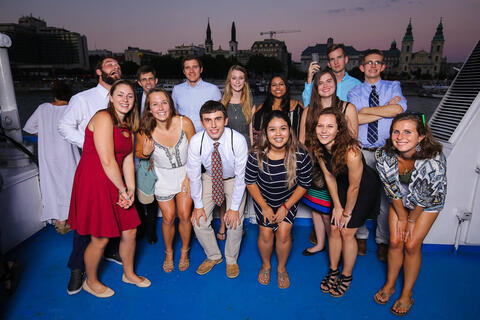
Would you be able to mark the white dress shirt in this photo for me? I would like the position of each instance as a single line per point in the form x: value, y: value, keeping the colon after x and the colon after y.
x: 188, y: 100
x: 233, y: 163
x: 80, y: 110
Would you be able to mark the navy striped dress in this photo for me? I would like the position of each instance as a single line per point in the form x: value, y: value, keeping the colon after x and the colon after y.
x: 272, y: 182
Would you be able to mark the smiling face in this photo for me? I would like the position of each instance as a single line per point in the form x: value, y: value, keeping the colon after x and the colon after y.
x: 337, y: 60
x: 214, y: 124
x: 278, y: 133
x: 372, y: 66
x: 237, y: 80
x: 192, y: 70
x: 147, y: 81
x: 326, y: 85
x: 160, y: 106
x: 405, y: 137
x: 326, y: 130
x: 110, y: 71
x: 122, y: 99
x: 278, y: 88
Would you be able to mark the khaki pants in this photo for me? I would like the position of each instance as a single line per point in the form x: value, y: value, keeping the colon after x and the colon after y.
x: 205, y: 233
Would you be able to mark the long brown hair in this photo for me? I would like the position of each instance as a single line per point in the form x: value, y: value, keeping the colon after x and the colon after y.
x: 148, y: 122
x: 131, y: 118
x: 343, y: 142
x: 429, y: 147
x: 246, y: 98
x: 263, y: 147
x: 316, y: 106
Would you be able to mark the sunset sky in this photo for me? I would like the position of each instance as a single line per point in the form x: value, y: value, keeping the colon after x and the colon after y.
x: 160, y: 25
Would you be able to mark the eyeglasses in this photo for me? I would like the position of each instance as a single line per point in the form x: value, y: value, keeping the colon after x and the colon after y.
x: 143, y: 80
x: 374, y: 63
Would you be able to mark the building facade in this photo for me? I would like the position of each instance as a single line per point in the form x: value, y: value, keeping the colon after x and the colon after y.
x: 140, y: 56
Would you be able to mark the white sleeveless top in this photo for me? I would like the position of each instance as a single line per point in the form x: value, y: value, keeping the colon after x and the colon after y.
x: 170, y: 166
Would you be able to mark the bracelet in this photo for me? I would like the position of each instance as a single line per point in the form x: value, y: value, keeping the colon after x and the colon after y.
x: 285, y: 206
x: 346, y: 215
x: 411, y: 220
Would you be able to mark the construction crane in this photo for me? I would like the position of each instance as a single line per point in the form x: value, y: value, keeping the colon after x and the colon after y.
x: 271, y: 33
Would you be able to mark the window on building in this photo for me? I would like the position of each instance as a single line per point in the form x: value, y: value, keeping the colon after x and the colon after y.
x: 406, y: 59
x: 436, y: 59
x: 438, y: 48
x: 408, y: 48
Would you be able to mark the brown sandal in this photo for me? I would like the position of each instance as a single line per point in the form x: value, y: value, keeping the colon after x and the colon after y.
x: 406, y: 307
x: 184, y: 264
x: 382, y: 297
x: 283, y: 280
x: 264, y: 276
x: 168, y: 264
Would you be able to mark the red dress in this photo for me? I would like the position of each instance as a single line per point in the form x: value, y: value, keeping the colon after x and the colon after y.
x: 93, y: 207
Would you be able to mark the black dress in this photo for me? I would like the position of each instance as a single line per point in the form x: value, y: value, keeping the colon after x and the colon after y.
x: 368, y: 200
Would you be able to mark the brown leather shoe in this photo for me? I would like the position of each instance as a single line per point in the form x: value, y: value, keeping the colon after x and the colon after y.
x: 362, y: 247
x: 233, y: 270
x: 207, y: 265
x: 382, y: 252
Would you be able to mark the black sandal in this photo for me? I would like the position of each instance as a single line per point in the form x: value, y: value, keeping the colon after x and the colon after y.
x: 329, y: 281
x: 342, y: 285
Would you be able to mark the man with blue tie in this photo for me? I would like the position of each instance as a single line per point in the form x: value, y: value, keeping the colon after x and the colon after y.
x: 377, y: 102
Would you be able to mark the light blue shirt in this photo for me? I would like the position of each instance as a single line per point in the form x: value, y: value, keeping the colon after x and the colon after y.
x: 343, y: 88
x: 386, y: 91
x: 188, y: 100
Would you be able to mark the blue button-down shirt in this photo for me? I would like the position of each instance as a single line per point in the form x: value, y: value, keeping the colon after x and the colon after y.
x: 386, y: 91
x: 188, y: 100
x: 343, y: 88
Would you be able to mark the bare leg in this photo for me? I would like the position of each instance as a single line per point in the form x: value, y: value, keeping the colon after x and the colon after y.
x: 221, y: 231
x: 283, y: 244
x: 127, y: 253
x: 349, y: 250
x: 319, y: 227
x: 413, y: 254
x: 168, y: 227
x: 334, y: 247
x: 326, y: 223
x: 93, y: 255
x: 184, y: 207
x: 265, y: 245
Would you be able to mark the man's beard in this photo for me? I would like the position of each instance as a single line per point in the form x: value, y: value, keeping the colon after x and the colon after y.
x: 107, y: 79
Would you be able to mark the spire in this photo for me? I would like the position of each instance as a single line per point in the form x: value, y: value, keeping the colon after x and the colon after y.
x: 408, y: 37
x: 439, y: 34
x: 234, y: 32
x: 208, y: 40
x: 393, y: 46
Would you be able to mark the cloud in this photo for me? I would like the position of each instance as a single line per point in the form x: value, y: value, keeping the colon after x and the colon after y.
x: 359, y: 9
x: 337, y: 11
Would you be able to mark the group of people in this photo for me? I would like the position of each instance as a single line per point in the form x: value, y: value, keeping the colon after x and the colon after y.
x: 351, y: 153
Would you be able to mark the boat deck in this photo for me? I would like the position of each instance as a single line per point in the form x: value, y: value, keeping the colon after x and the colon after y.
x: 447, y: 287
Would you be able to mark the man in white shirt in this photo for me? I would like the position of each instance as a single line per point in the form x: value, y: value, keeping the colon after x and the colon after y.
x: 148, y: 213
x: 190, y: 95
x: 223, y: 154
x: 71, y: 127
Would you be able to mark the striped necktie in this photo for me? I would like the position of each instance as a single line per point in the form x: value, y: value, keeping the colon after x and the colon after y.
x: 217, y: 176
x: 372, y: 133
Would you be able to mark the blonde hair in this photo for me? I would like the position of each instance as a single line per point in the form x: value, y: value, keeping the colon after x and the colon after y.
x: 246, y: 99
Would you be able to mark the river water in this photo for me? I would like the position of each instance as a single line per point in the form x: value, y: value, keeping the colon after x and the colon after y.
x: 28, y: 101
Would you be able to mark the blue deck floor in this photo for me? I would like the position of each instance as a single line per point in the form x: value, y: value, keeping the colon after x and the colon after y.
x: 447, y: 287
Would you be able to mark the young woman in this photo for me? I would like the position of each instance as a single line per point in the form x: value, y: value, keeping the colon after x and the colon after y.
x: 278, y: 98
x: 104, y: 188
x: 317, y: 197
x: 413, y: 171
x: 58, y: 159
x: 237, y: 99
x: 164, y: 137
x: 352, y: 186
x: 278, y: 174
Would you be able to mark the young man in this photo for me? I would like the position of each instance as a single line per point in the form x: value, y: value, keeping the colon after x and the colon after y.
x: 223, y: 153
x: 337, y: 60
x: 71, y: 127
x: 377, y: 102
x: 190, y: 95
x: 148, y: 213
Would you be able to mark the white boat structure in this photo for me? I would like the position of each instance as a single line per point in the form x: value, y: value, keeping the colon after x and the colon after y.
x: 456, y: 123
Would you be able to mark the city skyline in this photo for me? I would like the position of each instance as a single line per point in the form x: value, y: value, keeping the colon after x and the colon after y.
x: 113, y: 25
